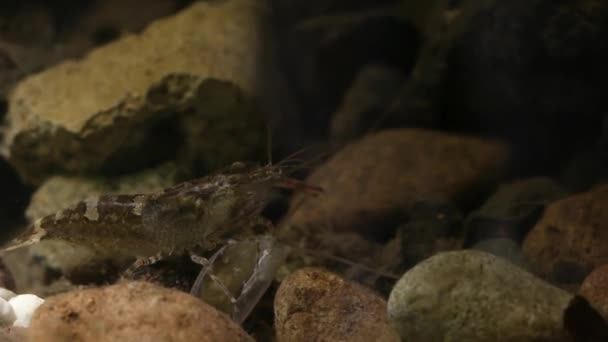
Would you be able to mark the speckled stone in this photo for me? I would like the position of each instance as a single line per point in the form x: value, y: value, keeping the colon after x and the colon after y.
x: 315, y: 305
x: 131, y: 311
x: 595, y: 290
x: 570, y: 239
x: 476, y: 297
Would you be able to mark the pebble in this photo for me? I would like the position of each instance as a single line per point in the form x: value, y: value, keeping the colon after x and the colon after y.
x: 570, y: 239
x: 315, y: 305
x: 474, y: 296
x: 131, y: 311
x: 24, y: 306
x: 369, y: 181
x: 7, y: 314
x: 595, y: 289
x: 6, y: 294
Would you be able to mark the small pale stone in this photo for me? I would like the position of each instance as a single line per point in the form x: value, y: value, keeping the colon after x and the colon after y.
x: 24, y: 306
x: 6, y: 294
x: 7, y: 314
x: 474, y: 296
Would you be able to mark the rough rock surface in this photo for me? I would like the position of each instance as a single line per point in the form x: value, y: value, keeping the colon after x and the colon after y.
x: 381, y: 176
x: 570, y: 239
x: 98, y: 112
x: 595, y: 290
x: 475, y: 296
x: 316, y: 305
x: 131, y: 311
x: 433, y: 226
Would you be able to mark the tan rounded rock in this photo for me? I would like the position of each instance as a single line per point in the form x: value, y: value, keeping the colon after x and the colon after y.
x: 316, y: 305
x: 570, y: 239
x: 382, y: 175
x: 131, y: 311
x: 595, y: 290
x: 104, y: 110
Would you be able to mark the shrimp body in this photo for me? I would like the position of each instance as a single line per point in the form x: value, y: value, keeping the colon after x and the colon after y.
x: 199, y: 212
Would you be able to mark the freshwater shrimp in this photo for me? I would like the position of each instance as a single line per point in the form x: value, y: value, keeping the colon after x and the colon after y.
x: 196, y: 213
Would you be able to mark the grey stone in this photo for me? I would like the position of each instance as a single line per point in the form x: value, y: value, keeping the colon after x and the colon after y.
x: 474, y: 296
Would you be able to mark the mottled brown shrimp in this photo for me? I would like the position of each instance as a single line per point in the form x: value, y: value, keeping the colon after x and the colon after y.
x: 199, y: 212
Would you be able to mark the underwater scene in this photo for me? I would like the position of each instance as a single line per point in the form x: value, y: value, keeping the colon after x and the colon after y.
x: 304, y: 170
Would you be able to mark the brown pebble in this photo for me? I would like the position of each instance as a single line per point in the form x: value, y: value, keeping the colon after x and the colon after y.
x: 131, y: 311
x: 570, y: 239
x: 595, y: 289
x: 381, y: 176
x: 315, y: 305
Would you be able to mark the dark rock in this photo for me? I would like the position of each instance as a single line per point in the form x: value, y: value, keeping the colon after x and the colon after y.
x: 533, y: 73
x: 434, y: 226
x: 365, y: 103
x: 512, y: 211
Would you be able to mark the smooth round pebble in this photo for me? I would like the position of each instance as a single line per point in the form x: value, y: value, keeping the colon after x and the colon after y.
x: 475, y: 296
x: 7, y: 314
x: 400, y: 167
x: 24, y: 306
x: 131, y: 311
x: 315, y: 305
x: 6, y: 294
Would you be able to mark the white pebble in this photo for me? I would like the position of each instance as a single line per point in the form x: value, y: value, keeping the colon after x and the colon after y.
x: 24, y: 306
x: 6, y: 294
x: 7, y: 314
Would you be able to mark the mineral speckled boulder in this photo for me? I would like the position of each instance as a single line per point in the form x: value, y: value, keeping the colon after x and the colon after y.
x: 131, y: 311
x: 381, y: 176
x: 316, y: 305
x: 570, y: 239
x: 101, y: 111
x: 476, y: 297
